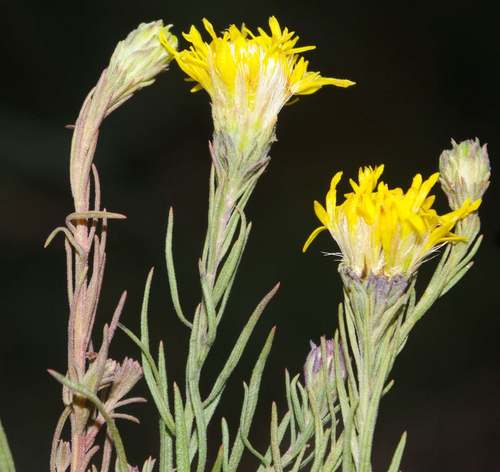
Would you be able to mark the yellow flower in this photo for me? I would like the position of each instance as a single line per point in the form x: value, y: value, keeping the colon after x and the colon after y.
x: 382, y: 231
x: 248, y: 76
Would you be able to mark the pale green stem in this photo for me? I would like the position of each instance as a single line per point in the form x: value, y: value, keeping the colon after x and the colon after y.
x: 205, y: 323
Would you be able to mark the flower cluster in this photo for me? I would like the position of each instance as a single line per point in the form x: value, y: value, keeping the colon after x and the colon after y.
x: 383, y: 231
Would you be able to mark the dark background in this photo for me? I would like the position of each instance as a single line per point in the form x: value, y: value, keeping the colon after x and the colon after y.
x: 425, y: 71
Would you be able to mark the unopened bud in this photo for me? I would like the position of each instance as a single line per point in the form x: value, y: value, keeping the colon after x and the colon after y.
x: 464, y: 172
x: 314, y: 372
x: 139, y: 58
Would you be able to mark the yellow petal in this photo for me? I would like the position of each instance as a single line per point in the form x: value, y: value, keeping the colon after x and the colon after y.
x: 275, y: 26
x: 209, y: 27
x: 166, y: 44
x: 321, y: 213
x: 336, y: 179
x: 311, y: 238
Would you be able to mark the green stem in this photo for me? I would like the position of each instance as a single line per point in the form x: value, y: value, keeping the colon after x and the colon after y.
x: 377, y: 355
x: 221, y: 216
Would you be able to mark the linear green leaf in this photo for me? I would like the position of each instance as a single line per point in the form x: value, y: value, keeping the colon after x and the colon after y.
x: 398, y: 454
x: 239, y: 346
x: 231, y: 263
x: 244, y: 436
x: 293, y: 428
x: 209, y: 305
x: 166, y: 444
x: 457, y: 277
x: 225, y: 444
x: 230, y: 283
x: 166, y: 458
x: 275, y: 449
x: 6, y: 460
x: 298, y: 461
x: 182, y: 441
x: 231, y: 227
x: 144, y: 309
x: 152, y: 377
x: 201, y: 424
x: 172, y: 279
x: 217, y: 467
x: 297, y: 408
x: 251, y: 404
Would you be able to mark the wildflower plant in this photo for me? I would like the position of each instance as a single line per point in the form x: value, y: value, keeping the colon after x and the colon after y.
x: 383, y: 234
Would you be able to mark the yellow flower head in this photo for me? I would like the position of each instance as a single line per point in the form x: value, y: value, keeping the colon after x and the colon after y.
x: 248, y: 76
x: 382, y: 231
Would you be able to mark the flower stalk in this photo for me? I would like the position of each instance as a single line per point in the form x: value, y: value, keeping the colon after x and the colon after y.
x: 95, y: 385
x: 244, y: 117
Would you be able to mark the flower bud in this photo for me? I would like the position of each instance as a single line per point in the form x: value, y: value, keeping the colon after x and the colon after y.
x: 314, y: 374
x: 139, y: 58
x: 465, y: 171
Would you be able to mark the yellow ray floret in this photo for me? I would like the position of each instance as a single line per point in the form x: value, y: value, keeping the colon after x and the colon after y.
x: 245, y: 69
x: 386, y: 231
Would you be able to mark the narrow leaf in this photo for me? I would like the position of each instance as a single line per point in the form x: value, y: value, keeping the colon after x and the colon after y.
x: 144, y: 309
x: 239, y: 346
x: 85, y: 215
x: 225, y: 444
x: 172, y: 279
x: 182, y: 441
x: 457, y: 277
x: 231, y: 263
x: 298, y: 461
x: 398, y: 454
x: 6, y: 461
x: 275, y: 450
x: 217, y: 467
x: 251, y: 404
x: 293, y: 429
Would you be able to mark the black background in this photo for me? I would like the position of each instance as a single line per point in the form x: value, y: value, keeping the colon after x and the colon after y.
x: 425, y: 71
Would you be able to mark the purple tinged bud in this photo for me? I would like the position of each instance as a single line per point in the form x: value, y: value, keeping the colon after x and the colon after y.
x: 313, y: 371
